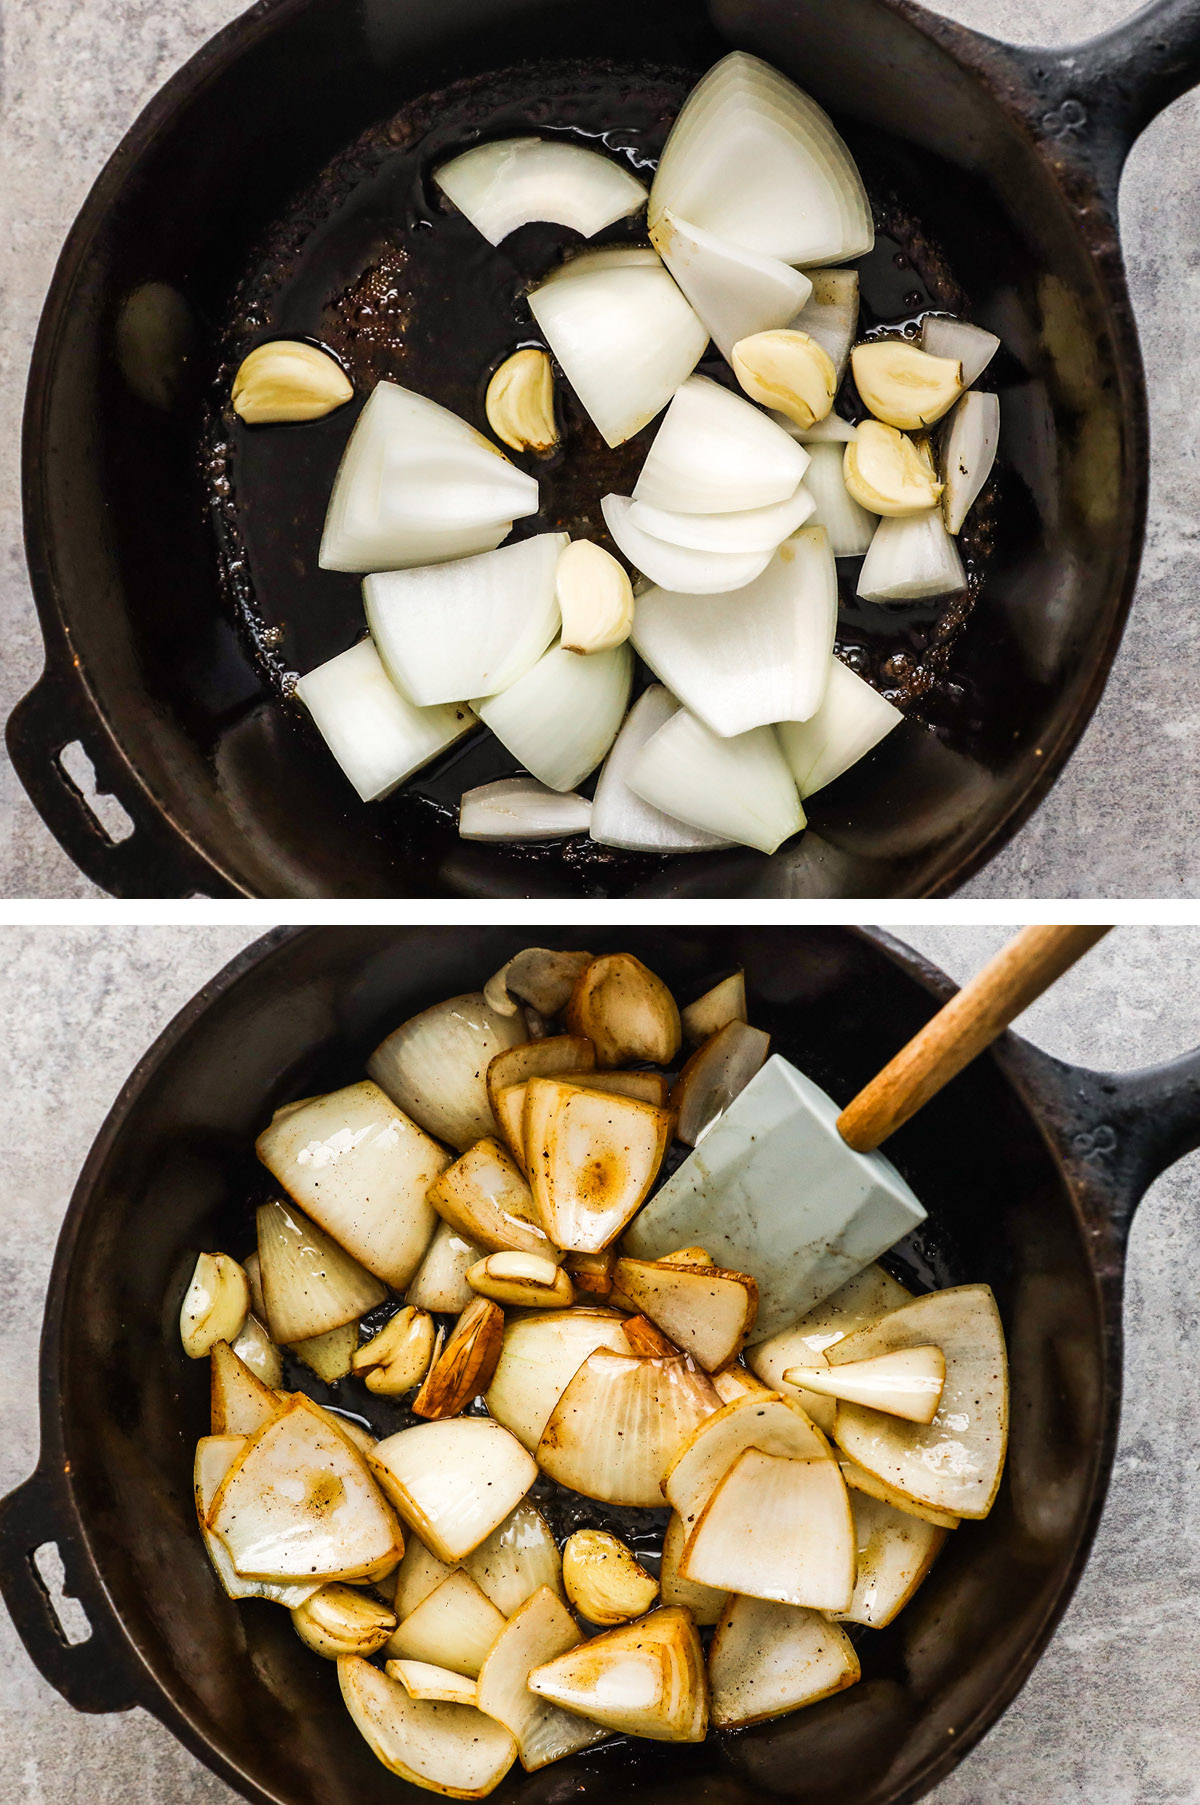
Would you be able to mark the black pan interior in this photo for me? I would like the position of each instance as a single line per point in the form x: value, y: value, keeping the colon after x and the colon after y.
x: 179, y: 1178
x: 277, y: 197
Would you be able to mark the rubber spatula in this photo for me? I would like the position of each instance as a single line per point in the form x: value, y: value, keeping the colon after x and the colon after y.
x: 787, y: 1188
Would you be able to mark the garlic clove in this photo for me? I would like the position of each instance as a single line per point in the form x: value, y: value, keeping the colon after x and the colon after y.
x: 888, y: 473
x: 595, y: 597
x: 523, y: 1280
x: 604, y: 1580
x: 288, y: 380
x: 904, y: 386
x: 398, y: 1358
x: 216, y: 1305
x: 788, y: 371
x: 338, y: 1620
x: 520, y: 402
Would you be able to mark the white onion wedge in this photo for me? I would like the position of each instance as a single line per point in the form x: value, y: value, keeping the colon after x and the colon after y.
x: 625, y: 337
x: 955, y: 1463
x: 759, y: 655
x: 447, y: 631
x: 359, y: 1437
x: 419, y: 1573
x: 736, y: 1382
x: 911, y: 556
x: 767, y: 1659
x: 968, y: 345
x: 907, y: 1383
x: 738, y: 789
x: 626, y: 1011
x: 422, y: 1679
x: 434, y: 1066
x: 215, y: 1454
x: 255, y: 1349
x: 621, y: 1422
x: 849, y: 525
x: 830, y: 315
x: 645, y: 1678
x: 515, y: 181
x: 330, y: 1355
x: 705, y: 1311
x: 621, y: 818
x: 735, y: 291
x: 451, y: 1749
x: 551, y: 1057
x: 704, y: 1602
x: 755, y: 160
x: 777, y: 1528
x: 872, y: 1486
x: 895, y: 1553
x: 716, y: 1073
x: 592, y: 1159
x: 239, y: 1403
x: 832, y: 430
x: 453, y: 1626
x: 678, y: 566
x: 377, y: 736
x: 440, y: 1281
x: 716, y: 453
x: 520, y: 808
x: 485, y: 1197
x: 417, y: 485
x: 360, y: 1169
x: 852, y: 719
x: 538, y: 1632
x: 763, y: 1420
x: 299, y: 1503
x: 456, y: 1481
x: 516, y: 1560
x: 541, y: 1355
x: 871, y: 1293
x: 309, y: 1283
x: 968, y: 453
x: 724, y: 1003
x: 562, y: 716
x: 755, y: 530
x: 603, y: 257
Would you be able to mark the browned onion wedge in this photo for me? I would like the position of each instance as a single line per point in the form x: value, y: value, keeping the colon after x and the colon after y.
x: 715, y: 1074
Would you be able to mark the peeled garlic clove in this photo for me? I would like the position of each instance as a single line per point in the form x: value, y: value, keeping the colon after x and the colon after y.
x: 398, y: 1357
x: 595, y: 597
x: 520, y: 402
x: 604, y: 1581
x: 216, y: 1305
x: 288, y: 380
x: 788, y: 371
x: 338, y: 1620
x: 524, y: 1280
x: 904, y: 386
x: 888, y: 473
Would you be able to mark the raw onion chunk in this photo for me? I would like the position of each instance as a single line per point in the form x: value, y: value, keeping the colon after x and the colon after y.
x: 619, y: 816
x: 735, y: 291
x: 515, y: 181
x: 417, y: 485
x: 849, y: 526
x: 562, y: 716
x: 539, y: 1631
x: 542, y: 1353
x: 777, y: 1528
x: 361, y: 1169
x: 869, y: 1294
x: 471, y: 628
x: 377, y: 735
x: 955, y: 1463
x: 852, y: 719
x: 592, y: 1159
x: 716, y: 453
x: 435, y: 1066
x: 895, y: 1553
x: 830, y: 315
x: 762, y: 1420
x: 755, y: 160
x: 769, y: 1658
x: 760, y: 655
x: 215, y: 1454
x: 968, y: 453
x: 621, y: 1422
x: 678, y: 567
x: 625, y: 337
x: 446, y: 1748
x: 645, y: 1678
x: 739, y: 789
x: 911, y: 556
x: 751, y: 530
x: 455, y: 1481
x: 310, y: 1284
x: 520, y: 808
x: 970, y: 346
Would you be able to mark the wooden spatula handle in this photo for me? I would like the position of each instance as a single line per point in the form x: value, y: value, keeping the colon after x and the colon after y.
x: 970, y: 1021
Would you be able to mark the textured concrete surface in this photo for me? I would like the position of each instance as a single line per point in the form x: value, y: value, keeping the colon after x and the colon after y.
x: 1122, y: 821
x: 1112, y: 1714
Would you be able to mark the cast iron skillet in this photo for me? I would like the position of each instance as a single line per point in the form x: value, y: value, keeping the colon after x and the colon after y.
x: 1004, y: 161
x: 1031, y: 1171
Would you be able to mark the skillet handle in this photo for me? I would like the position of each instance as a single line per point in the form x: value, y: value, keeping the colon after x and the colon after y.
x: 152, y: 860
x: 93, y: 1675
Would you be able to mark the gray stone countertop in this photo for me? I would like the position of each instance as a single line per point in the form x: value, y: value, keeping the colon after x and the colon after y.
x: 1122, y: 820
x: 1111, y: 1716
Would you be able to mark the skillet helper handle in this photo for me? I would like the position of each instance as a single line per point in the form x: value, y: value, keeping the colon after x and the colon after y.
x: 93, y: 1675
x: 967, y: 1024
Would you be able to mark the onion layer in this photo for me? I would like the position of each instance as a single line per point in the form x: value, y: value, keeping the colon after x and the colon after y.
x: 752, y: 530
x: 769, y: 1658
x: 740, y: 788
x: 377, y: 735
x: 562, y: 716
x: 852, y: 719
x: 911, y: 556
x: 969, y: 451
x: 849, y: 526
x: 434, y: 1066
x: 514, y: 181
x: 715, y: 453
x: 621, y: 1422
x: 830, y: 315
x: 520, y: 808
x: 735, y: 291
x: 678, y: 567
x: 970, y: 346
x: 622, y: 818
